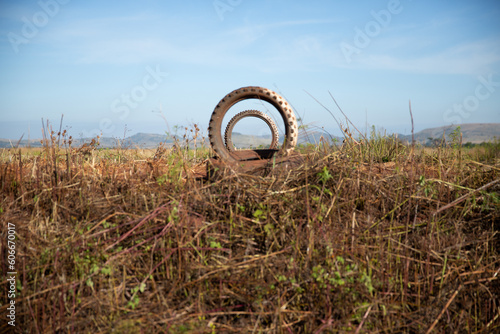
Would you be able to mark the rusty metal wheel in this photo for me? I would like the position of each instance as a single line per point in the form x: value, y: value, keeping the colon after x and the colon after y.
x: 251, y: 113
x: 245, y: 93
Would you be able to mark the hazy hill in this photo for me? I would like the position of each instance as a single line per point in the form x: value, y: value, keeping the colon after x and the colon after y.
x: 473, y: 133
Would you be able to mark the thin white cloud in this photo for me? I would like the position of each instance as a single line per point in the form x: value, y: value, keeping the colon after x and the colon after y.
x: 269, y: 26
x: 262, y: 29
x: 468, y: 58
x: 96, y: 42
x: 265, y: 47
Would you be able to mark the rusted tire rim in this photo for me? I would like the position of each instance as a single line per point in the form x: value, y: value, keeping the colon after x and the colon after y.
x: 251, y: 113
x: 245, y: 93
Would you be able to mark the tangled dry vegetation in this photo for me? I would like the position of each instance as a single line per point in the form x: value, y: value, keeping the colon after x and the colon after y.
x: 375, y: 238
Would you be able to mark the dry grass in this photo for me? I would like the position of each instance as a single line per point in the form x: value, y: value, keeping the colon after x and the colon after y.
x: 371, y: 239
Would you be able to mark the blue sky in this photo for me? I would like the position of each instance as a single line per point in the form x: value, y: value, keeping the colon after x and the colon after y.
x: 112, y: 66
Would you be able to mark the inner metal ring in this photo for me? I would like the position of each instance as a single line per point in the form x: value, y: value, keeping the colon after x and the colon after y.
x: 251, y: 113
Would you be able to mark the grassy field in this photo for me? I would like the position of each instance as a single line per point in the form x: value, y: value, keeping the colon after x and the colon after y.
x: 376, y: 237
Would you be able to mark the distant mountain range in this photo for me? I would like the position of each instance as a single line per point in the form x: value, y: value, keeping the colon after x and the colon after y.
x: 474, y: 133
x: 471, y: 133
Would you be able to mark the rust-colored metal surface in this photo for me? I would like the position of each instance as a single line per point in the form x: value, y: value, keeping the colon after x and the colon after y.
x: 251, y: 93
x: 255, y: 162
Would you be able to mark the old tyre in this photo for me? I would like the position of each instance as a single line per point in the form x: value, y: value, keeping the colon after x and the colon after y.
x: 251, y: 113
x: 245, y: 93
